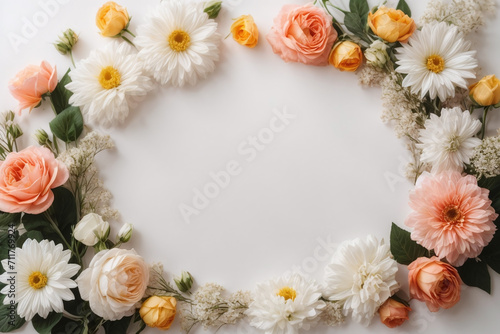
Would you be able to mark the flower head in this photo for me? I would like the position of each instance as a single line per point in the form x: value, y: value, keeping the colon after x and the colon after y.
x: 436, y: 60
x: 43, y: 278
x: 391, y: 24
x: 362, y: 275
x: 451, y: 215
x: 179, y: 43
x: 245, y: 31
x: 111, y: 19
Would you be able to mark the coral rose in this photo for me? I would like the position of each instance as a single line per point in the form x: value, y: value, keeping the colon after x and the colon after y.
x: 158, y: 312
x: 434, y: 282
x: 346, y: 56
x: 486, y: 92
x: 393, y: 313
x: 31, y: 83
x: 302, y: 34
x: 114, y: 282
x: 391, y: 24
x: 26, y: 180
x: 111, y: 19
x: 245, y: 31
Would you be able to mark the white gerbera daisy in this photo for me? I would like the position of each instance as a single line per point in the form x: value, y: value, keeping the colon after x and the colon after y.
x: 448, y: 142
x: 179, y: 43
x: 361, y: 275
x: 105, y: 83
x: 285, y: 305
x: 436, y: 60
x: 42, y: 279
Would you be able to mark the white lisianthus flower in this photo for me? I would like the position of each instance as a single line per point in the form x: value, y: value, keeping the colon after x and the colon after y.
x: 90, y: 229
x: 361, y: 275
x: 42, y: 280
x: 448, y: 141
x: 285, y: 305
x: 376, y: 55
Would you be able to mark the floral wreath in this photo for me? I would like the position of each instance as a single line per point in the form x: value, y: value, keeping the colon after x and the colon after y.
x: 54, y: 206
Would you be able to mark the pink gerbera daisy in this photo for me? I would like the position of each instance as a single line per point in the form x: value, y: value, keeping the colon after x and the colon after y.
x: 451, y: 215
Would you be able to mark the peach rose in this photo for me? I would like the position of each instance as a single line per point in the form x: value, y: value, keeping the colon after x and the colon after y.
x: 391, y: 24
x: 393, y: 313
x: 245, y: 31
x: 30, y: 84
x: 111, y: 19
x: 26, y: 180
x: 159, y: 312
x: 302, y: 34
x: 346, y: 56
x: 486, y: 92
x: 114, y: 282
x: 434, y: 282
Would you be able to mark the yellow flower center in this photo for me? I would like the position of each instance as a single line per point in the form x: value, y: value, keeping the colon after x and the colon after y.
x: 287, y: 293
x: 452, y: 215
x: 109, y: 77
x: 179, y: 40
x: 37, y: 280
x: 435, y: 63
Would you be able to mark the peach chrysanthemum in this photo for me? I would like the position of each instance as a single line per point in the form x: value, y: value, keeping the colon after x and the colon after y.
x: 451, y: 215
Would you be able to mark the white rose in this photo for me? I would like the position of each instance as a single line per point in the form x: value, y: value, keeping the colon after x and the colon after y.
x: 90, y: 229
x: 114, y: 282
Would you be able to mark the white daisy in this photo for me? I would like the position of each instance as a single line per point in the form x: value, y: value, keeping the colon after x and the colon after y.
x: 285, y: 305
x: 436, y: 60
x: 448, y: 142
x: 179, y: 43
x: 42, y: 279
x: 361, y: 275
x: 105, y: 83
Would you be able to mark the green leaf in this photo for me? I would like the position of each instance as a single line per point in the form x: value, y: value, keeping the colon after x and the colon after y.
x: 60, y: 96
x: 475, y: 273
x: 44, y: 326
x: 403, y: 6
x: 405, y: 250
x: 354, y: 23
x: 9, y: 320
x: 35, y: 235
x: 7, y: 219
x: 359, y: 7
x: 493, y: 185
x: 68, y: 125
x: 117, y: 327
x: 67, y: 326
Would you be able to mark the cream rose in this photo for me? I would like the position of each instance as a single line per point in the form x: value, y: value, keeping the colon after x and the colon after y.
x: 114, y: 282
x: 90, y: 229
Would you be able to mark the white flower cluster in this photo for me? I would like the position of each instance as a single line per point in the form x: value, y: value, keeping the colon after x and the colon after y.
x: 467, y: 15
x: 332, y: 314
x: 84, y: 175
x: 486, y: 157
x: 371, y: 76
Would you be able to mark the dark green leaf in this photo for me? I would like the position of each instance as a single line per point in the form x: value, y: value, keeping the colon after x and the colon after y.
x: 403, y: 6
x: 44, y: 326
x: 67, y: 326
x: 8, y: 239
x: 491, y: 253
x: 9, y: 320
x: 493, y: 185
x: 68, y: 125
x: 359, y: 7
x: 64, y: 210
x: 354, y: 23
x: 405, y: 250
x: 35, y: 235
x: 117, y: 327
x: 475, y: 273
x: 60, y: 96
x: 7, y: 219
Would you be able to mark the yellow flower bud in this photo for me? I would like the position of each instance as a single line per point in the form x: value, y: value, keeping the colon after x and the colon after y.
x: 486, y: 92
x: 346, y: 56
x: 391, y: 24
x: 158, y: 311
x: 245, y: 31
x: 111, y: 19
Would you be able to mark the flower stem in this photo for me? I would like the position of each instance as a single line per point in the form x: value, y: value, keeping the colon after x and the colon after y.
x: 52, y: 104
x: 71, y: 56
x: 59, y: 233
x: 483, y: 127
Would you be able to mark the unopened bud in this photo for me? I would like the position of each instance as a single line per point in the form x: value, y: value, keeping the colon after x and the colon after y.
x: 185, y: 282
x: 213, y: 8
x: 125, y: 233
x: 66, y: 42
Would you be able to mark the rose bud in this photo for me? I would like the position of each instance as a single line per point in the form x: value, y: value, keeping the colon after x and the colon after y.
x: 391, y: 24
x: 486, y: 92
x: 393, y: 313
x: 346, y: 56
x: 158, y: 312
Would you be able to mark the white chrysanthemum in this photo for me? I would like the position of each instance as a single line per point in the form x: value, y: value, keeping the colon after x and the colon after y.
x: 43, y: 278
x: 448, y: 142
x: 361, y: 275
x: 179, y: 43
x: 105, y: 83
x: 285, y: 305
x: 436, y: 60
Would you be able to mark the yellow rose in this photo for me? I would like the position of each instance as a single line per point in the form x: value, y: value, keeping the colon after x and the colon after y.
x: 346, y: 56
x: 111, y: 19
x: 158, y: 311
x: 245, y: 31
x: 391, y: 24
x: 486, y: 92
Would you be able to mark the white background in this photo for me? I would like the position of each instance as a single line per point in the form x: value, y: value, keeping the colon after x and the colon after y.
x: 334, y: 173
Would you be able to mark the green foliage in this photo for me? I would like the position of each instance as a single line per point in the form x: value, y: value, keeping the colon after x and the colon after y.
x: 405, y: 250
x: 117, y: 327
x: 475, y: 273
x: 7, y: 219
x: 403, y: 6
x: 9, y: 320
x: 360, y: 7
x: 44, y: 326
x: 60, y: 96
x: 68, y: 125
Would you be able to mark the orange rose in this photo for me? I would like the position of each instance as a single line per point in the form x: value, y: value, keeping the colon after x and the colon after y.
x: 158, y: 312
x: 393, y: 313
x: 245, y: 31
x: 30, y: 84
x: 434, y: 282
x: 26, y: 180
x: 391, y: 24
x: 486, y: 92
x: 111, y: 19
x: 346, y: 56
